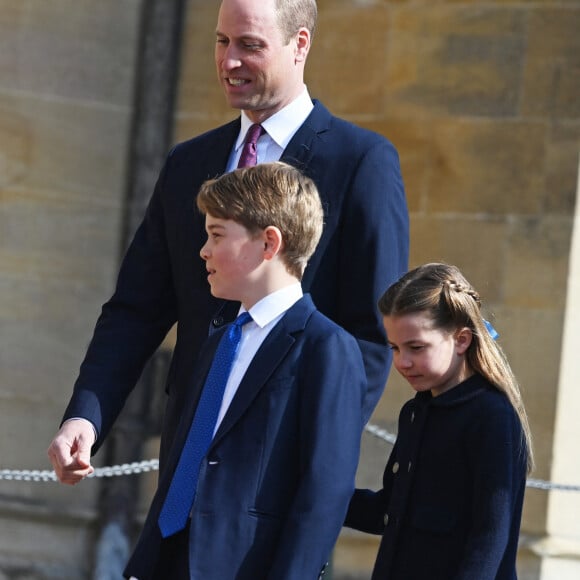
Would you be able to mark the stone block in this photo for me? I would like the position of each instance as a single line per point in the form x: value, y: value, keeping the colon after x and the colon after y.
x: 32, y: 549
x: 532, y: 342
x: 199, y: 93
x: 536, y: 261
x: 457, y: 60
x: 551, y: 80
x: 348, y: 59
x: 562, y: 158
x: 475, y: 245
x: 64, y: 50
x: 64, y: 147
x: 486, y: 167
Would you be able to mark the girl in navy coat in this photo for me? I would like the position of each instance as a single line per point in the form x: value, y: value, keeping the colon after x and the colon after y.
x: 453, y: 487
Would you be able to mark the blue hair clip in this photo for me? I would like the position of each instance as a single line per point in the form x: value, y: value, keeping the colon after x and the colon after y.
x: 492, y: 331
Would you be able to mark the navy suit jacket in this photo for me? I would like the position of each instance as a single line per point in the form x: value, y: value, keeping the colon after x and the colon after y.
x: 364, y: 248
x: 275, y: 485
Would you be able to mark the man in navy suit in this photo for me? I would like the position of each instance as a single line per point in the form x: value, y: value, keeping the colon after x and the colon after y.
x: 261, y: 51
x: 274, y: 485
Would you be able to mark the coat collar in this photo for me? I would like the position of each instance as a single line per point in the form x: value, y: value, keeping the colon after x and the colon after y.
x: 463, y: 392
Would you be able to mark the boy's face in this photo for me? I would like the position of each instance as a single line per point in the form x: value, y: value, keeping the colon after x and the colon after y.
x: 233, y: 258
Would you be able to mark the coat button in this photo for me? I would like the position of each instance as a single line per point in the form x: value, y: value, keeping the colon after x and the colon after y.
x: 217, y: 321
x: 386, y: 520
x: 412, y: 416
x: 409, y: 466
x: 395, y: 467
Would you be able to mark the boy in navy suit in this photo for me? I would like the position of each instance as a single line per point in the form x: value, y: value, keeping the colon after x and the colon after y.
x: 274, y: 485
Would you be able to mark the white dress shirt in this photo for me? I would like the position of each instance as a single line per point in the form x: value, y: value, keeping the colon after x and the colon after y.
x: 280, y: 128
x: 265, y: 314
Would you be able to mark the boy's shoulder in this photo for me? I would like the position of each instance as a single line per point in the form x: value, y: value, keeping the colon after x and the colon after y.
x: 318, y: 325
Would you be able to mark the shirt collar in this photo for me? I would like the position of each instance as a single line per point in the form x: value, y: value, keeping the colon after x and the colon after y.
x: 282, y: 125
x: 275, y: 304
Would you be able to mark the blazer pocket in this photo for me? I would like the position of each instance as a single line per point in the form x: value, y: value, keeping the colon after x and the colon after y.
x: 261, y: 514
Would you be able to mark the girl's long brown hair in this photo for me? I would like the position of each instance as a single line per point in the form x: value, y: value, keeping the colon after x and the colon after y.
x: 443, y: 293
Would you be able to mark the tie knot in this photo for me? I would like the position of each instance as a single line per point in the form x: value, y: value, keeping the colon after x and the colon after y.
x: 254, y: 133
x: 242, y: 319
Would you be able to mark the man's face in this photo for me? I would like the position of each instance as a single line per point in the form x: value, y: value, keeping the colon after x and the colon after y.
x: 259, y: 71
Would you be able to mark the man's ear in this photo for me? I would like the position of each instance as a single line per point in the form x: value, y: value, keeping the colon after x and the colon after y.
x: 463, y: 338
x: 302, y: 40
x: 272, y: 237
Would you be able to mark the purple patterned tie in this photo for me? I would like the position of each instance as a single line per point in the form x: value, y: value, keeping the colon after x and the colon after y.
x: 181, y: 492
x: 249, y: 154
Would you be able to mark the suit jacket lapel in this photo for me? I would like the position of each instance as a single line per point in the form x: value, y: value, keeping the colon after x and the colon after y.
x: 301, y: 148
x: 269, y: 356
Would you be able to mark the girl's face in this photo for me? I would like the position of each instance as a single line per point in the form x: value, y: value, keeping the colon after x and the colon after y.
x: 429, y: 358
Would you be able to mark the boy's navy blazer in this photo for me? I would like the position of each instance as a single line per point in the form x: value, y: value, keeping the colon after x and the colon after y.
x: 275, y: 484
x: 364, y: 248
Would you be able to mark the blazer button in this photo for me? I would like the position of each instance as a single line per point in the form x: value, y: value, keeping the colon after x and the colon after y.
x: 412, y: 416
x: 395, y: 467
x: 217, y: 321
x: 386, y: 520
x: 409, y: 466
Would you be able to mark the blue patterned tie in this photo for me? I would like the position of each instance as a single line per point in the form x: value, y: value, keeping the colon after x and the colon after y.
x: 181, y: 493
x: 249, y: 155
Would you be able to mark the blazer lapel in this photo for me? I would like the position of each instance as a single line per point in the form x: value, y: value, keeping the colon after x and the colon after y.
x: 301, y: 148
x: 268, y: 358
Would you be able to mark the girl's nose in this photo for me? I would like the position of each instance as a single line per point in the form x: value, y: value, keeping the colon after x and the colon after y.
x: 404, y: 362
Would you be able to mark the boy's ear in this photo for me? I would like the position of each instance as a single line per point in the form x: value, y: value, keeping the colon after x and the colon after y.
x: 272, y: 237
x: 463, y: 338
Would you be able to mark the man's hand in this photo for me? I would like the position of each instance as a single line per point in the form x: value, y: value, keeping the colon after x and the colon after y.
x: 70, y: 451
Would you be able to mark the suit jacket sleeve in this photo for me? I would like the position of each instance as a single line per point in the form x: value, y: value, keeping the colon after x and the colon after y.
x: 131, y: 326
x: 374, y: 254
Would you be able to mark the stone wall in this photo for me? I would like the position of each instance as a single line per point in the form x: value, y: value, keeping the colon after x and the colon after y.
x: 481, y: 100
x: 66, y: 77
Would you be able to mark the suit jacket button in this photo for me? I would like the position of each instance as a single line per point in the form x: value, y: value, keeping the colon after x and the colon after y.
x: 217, y: 321
x: 395, y: 467
x: 386, y: 520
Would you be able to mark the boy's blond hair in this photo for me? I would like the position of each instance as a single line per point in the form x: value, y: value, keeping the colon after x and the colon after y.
x: 270, y: 194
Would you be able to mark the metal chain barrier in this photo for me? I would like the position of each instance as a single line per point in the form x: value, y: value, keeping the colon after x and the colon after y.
x: 153, y: 465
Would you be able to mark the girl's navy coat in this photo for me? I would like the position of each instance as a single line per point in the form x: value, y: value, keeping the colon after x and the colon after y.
x: 453, y: 489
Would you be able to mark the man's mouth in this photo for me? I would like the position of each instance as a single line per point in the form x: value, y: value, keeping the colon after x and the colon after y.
x: 236, y: 82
